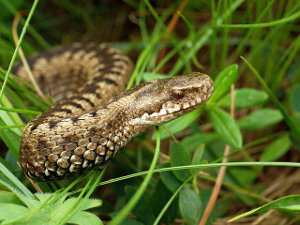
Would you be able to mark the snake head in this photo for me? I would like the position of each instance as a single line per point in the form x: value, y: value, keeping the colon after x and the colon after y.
x: 164, y: 100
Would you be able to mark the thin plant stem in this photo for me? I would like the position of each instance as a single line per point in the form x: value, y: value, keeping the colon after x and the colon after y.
x: 218, y: 184
x: 14, y: 56
x: 23, y: 58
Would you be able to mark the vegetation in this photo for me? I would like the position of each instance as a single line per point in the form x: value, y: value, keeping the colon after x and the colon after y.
x: 233, y: 159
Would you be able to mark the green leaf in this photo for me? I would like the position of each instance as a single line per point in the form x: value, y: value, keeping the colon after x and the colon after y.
x: 180, y: 157
x: 170, y: 181
x: 295, y: 130
x: 192, y: 141
x: 8, y: 197
x: 10, y: 118
x: 177, y: 125
x: 91, y: 203
x: 226, y: 127
x: 11, y: 140
x: 244, y: 98
x: 190, y: 206
x: 294, y: 98
x: 243, y: 176
x: 85, y: 218
x: 131, y: 222
x: 64, y: 208
x: 10, y: 7
x: 53, y: 208
x: 260, y: 119
x: 9, y: 211
x: 223, y: 82
x: 294, y: 136
x: 15, y: 185
x: 276, y: 149
x: 289, y: 203
x: 198, y: 157
x: 148, y: 76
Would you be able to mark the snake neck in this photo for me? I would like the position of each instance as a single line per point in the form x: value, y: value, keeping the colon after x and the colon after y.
x: 77, y: 143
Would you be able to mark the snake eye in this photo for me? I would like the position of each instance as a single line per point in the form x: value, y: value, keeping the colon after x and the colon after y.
x: 177, y: 94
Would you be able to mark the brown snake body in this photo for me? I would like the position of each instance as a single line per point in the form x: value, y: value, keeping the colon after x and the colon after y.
x: 91, y: 120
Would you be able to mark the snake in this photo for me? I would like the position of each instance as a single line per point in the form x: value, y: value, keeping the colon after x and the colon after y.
x: 93, y: 116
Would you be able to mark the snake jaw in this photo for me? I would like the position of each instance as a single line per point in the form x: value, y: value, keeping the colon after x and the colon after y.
x: 168, y: 112
x: 181, y: 98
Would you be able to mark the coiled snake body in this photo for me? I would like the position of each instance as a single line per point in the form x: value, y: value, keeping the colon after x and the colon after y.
x: 91, y: 120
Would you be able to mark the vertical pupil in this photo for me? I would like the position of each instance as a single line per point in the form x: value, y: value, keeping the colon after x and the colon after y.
x: 178, y: 95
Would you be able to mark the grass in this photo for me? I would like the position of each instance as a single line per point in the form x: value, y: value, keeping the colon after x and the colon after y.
x: 167, y: 175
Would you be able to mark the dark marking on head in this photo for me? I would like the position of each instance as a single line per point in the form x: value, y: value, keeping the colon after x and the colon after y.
x: 105, y: 80
x: 92, y: 131
x: 93, y: 114
x: 42, y: 144
x: 34, y: 126
x: 86, y: 100
x: 74, y: 119
x: 97, y: 95
x: 91, y: 88
x: 70, y: 139
x: 42, y: 79
x: 79, y: 106
x: 63, y: 110
x: 105, y: 70
x: 52, y: 123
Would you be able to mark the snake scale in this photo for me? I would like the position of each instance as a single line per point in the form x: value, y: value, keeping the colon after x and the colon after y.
x: 92, y: 118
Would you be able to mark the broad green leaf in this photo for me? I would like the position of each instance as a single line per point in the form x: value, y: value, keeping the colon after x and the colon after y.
x: 291, y: 208
x: 9, y: 7
x: 244, y: 98
x: 294, y: 98
x: 260, y: 119
x: 190, y: 206
x: 180, y: 157
x: 9, y: 211
x: 170, y: 181
x: 290, y: 203
x: 63, y: 209
x: 223, y: 82
x: 85, y: 218
x: 276, y: 149
x: 198, y: 157
x: 10, y: 118
x: 11, y: 139
x: 8, y: 197
x: 147, y: 76
x: 131, y: 222
x: 91, y: 203
x: 226, y: 127
x: 243, y: 176
x: 15, y: 185
x: 192, y: 141
x: 43, y: 197
x: 177, y: 125
x: 49, y: 209
x: 294, y: 136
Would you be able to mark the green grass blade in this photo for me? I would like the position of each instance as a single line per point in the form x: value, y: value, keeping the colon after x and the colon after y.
x: 167, y: 205
x: 24, y: 29
x: 138, y: 194
x: 265, y: 24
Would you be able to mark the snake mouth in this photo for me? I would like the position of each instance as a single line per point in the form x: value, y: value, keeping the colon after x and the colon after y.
x: 168, y: 111
x: 171, y: 99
